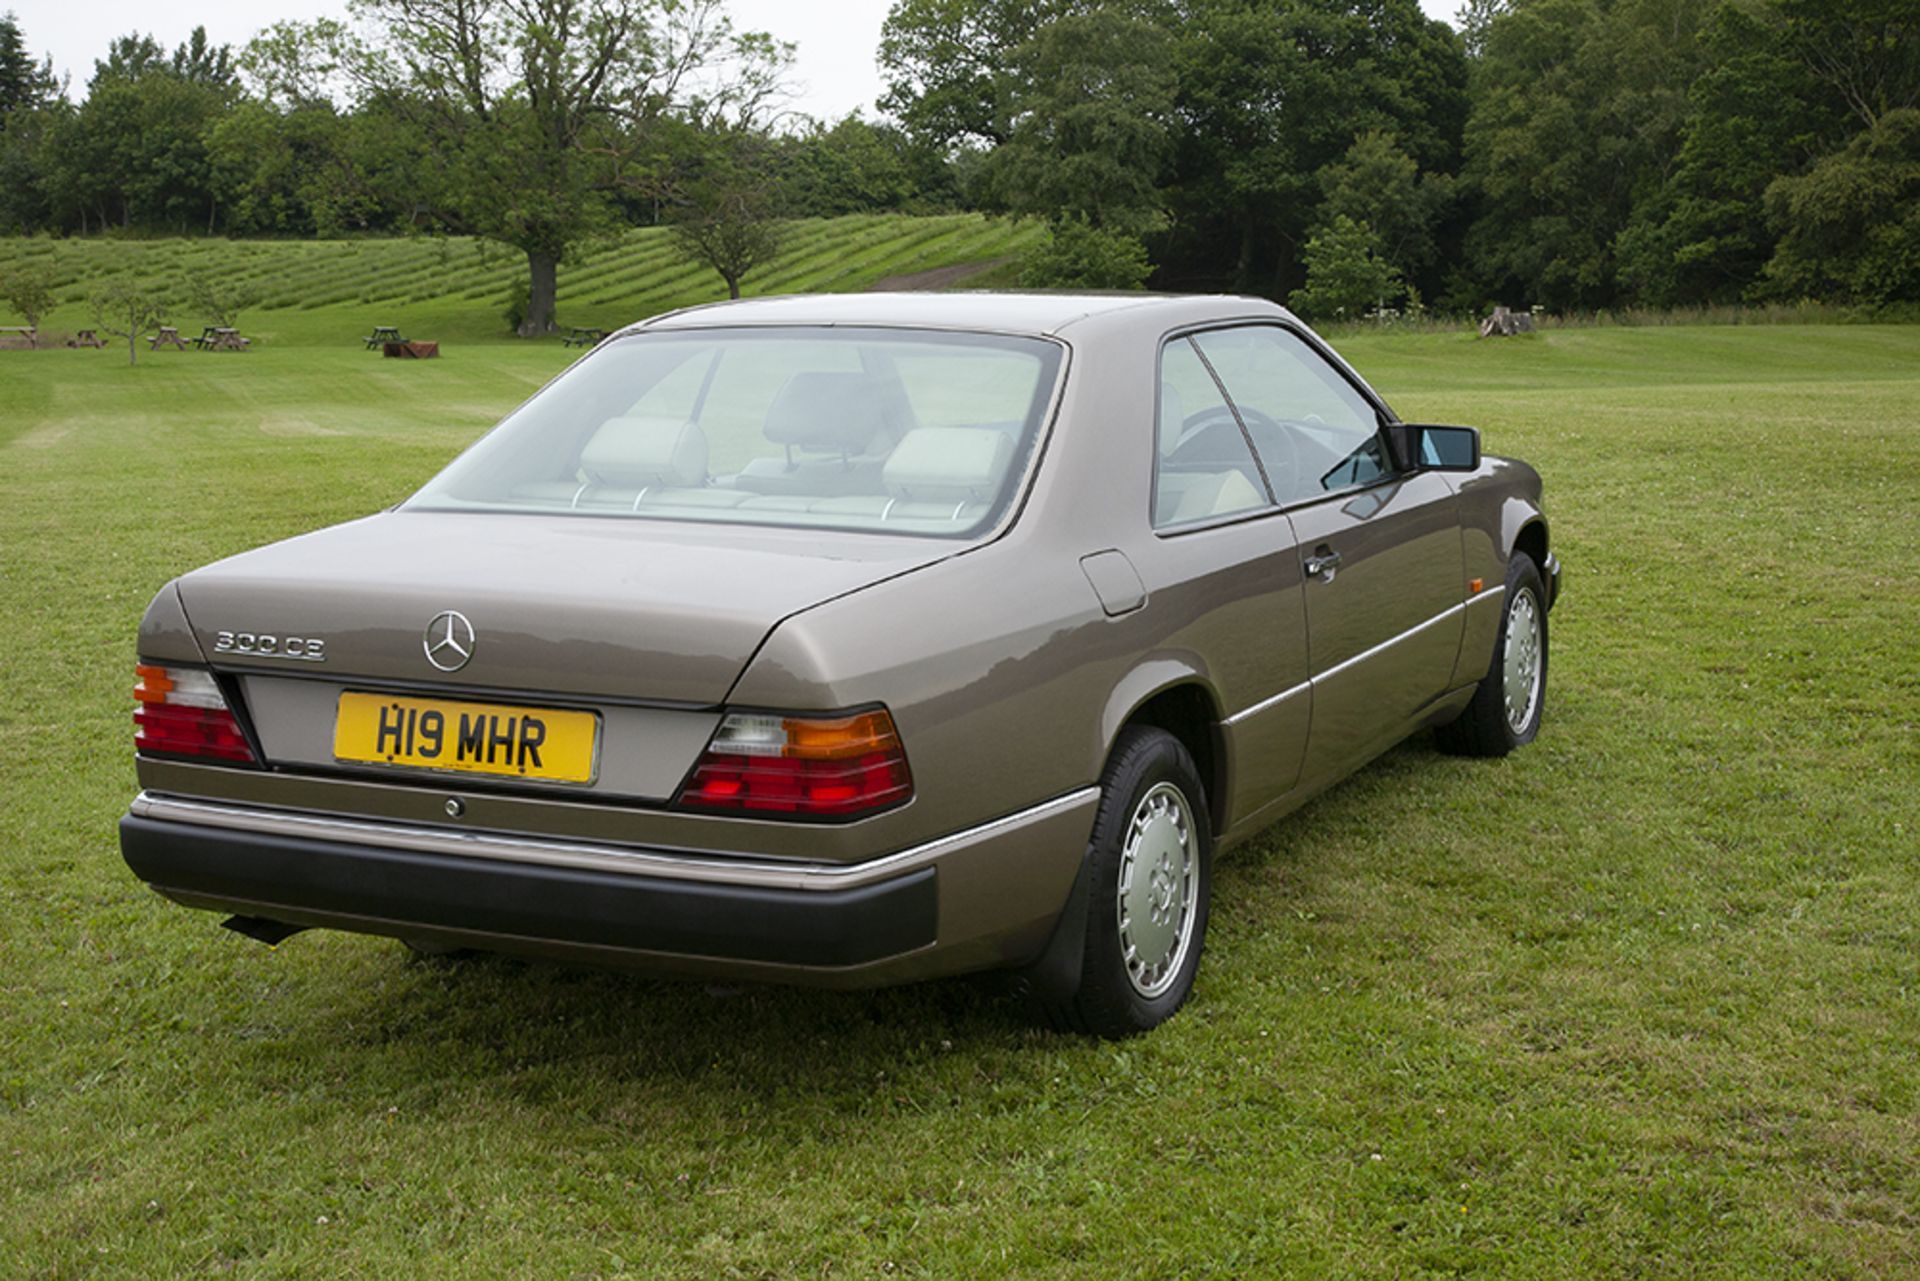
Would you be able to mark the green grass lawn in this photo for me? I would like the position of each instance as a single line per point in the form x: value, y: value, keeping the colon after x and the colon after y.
x: 1641, y: 1000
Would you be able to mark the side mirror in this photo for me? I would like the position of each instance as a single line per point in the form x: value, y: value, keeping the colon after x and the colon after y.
x: 1431, y: 447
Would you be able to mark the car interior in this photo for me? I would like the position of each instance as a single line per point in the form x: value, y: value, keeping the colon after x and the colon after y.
x: 913, y: 437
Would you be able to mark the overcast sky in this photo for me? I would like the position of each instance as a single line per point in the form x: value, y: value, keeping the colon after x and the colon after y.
x: 834, y: 70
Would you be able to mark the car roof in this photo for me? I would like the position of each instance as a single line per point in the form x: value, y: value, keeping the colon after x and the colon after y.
x: 1026, y: 313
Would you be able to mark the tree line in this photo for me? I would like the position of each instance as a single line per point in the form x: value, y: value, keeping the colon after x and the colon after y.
x: 1343, y: 155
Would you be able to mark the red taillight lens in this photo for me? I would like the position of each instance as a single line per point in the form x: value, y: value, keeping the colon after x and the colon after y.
x: 805, y: 766
x: 183, y: 713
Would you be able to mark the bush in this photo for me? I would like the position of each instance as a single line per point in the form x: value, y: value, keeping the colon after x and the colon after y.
x: 1077, y: 255
x: 1346, y: 276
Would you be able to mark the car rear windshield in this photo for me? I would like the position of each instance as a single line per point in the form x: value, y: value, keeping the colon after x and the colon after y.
x: 895, y: 431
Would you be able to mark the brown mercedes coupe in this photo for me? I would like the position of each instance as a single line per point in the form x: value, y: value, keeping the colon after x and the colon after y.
x: 849, y: 640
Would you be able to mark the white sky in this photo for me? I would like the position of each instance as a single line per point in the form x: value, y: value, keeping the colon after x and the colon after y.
x: 834, y: 71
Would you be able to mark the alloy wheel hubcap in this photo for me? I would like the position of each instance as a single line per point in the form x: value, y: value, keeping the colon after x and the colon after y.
x: 1523, y: 667
x: 1156, y: 899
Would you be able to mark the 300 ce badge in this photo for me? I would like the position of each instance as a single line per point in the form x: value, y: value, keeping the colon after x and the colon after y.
x: 300, y: 649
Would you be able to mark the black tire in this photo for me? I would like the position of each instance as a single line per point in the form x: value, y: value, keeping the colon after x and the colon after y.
x: 1484, y: 727
x: 1107, y: 1001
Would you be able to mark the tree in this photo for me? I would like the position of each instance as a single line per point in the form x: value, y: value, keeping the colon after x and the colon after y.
x: 128, y: 58
x: 945, y: 64
x: 135, y: 152
x: 204, y: 63
x: 1078, y: 255
x: 855, y: 166
x: 24, y: 85
x: 128, y: 310
x: 1091, y: 125
x: 1754, y: 114
x: 1579, y: 110
x: 30, y: 100
x: 1272, y: 93
x: 1346, y: 276
x: 1379, y: 185
x: 1866, y: 51
x: 536, y: 108
x: 1850, y: 226
x: 29, y: 291
x: 724, y: 217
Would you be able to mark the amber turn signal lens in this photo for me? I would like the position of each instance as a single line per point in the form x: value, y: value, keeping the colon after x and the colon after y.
x: 840, y: 739
x: 803, y: 766
x: 182, y: 712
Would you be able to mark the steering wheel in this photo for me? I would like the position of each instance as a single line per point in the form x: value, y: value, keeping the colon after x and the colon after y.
x: 1212, y: 436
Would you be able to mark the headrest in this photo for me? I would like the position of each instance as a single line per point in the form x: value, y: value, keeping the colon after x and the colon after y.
x: 646, y: 451
x: 831, y: 413
x: 948, y: 464
x: 1219, y: 494
x: 1173, y: 414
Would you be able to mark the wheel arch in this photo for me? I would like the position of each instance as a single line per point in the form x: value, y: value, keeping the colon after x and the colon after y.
x: 1531, y: 538
x: 1181, y: 701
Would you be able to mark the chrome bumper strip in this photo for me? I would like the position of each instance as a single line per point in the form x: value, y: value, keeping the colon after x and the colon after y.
x: 533, y: 849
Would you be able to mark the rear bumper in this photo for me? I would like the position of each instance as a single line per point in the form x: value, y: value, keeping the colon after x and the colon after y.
x: 974, y: 900
x: 1553, y: 576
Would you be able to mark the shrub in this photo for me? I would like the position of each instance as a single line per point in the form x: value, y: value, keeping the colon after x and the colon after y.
x: 1346, y: 276
x: 1077, y: 255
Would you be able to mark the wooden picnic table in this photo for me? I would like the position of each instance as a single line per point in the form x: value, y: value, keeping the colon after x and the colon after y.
x: 169, y: 336
x: 85, y: 338
x: 382, y: 335
x: 584, y: 337
x: 221, y: 338
x: 28, y: 332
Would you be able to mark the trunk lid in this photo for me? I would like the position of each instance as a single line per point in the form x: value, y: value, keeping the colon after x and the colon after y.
x: 579, y: 606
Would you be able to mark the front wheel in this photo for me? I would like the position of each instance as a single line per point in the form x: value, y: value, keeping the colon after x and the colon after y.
x: 1507, y: 704
x: 1149, y: 880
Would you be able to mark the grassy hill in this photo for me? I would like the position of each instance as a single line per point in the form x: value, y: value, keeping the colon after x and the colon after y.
x: 456, y: 287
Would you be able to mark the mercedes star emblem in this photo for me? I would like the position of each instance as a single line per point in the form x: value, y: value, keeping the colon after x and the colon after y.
x: 449, y: 640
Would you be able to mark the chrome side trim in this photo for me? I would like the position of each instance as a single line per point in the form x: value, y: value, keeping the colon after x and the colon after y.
x: 1450, y: 611
x: 1267, y: 704
x: 714, y: 870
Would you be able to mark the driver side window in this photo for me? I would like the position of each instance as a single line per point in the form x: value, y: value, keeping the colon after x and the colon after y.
x: 1203, y: 466
x: 1314, y: 431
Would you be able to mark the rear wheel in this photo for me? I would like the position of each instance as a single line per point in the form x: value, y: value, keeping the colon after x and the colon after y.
x: 1506, y: 707
x: 1148, y: 885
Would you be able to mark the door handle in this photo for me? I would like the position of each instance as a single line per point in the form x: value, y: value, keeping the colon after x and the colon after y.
x: 1322, y: 564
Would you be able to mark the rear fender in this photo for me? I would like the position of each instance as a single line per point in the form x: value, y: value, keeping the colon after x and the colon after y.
x: 165, y: 634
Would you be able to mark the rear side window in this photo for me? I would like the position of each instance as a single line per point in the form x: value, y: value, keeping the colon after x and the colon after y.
x: 1314, y: 431
x: 1203, y: 467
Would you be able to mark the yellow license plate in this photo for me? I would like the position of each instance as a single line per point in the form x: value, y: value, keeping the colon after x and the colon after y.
x: 468, y: 738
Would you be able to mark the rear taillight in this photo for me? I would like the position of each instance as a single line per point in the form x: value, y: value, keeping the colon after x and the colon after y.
x: 183, y: 713
x: 802, y: 766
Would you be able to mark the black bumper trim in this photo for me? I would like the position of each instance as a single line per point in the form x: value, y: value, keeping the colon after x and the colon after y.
x: 532, y: 901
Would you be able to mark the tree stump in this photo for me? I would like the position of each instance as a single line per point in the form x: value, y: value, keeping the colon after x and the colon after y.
x: 1505, y: 323
x: 411, y: 350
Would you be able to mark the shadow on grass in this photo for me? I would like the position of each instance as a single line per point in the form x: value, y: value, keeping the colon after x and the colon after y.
x: 536, y: 1029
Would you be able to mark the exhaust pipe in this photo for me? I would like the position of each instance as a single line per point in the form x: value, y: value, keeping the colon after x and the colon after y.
x: 272, y: 933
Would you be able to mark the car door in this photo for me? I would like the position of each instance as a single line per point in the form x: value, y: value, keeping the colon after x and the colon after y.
x: 1223, y: 578
x: 1380, y: 548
